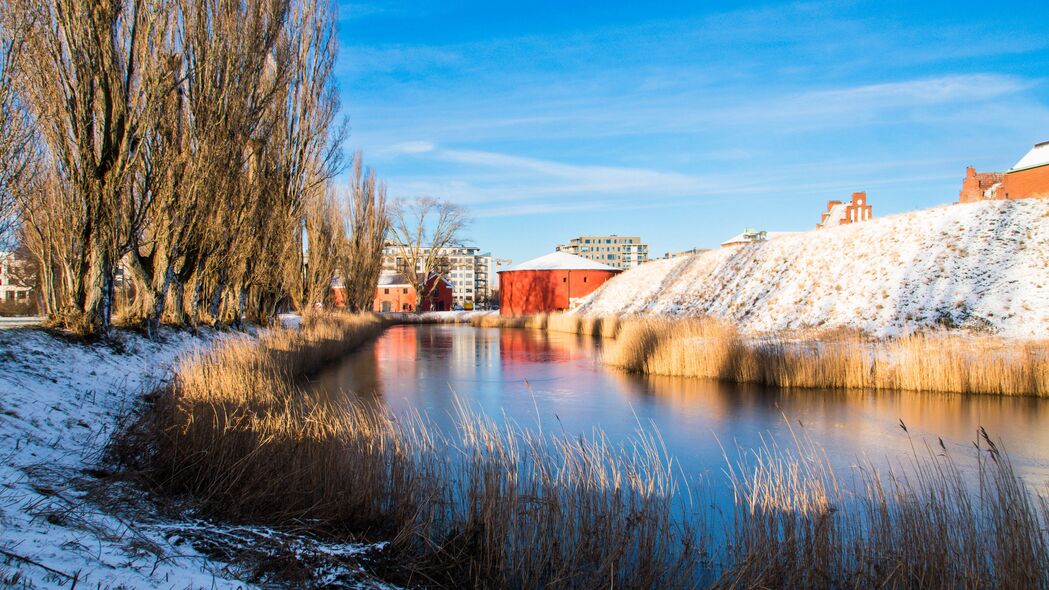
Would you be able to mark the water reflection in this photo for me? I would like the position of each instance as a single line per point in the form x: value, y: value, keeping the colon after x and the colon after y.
x: 528, y: 376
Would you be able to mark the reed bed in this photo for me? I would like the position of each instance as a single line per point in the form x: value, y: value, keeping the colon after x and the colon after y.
x: 922, y: 524
x: 497, y: 506
x: 919, y: 362
x: 487, y: 506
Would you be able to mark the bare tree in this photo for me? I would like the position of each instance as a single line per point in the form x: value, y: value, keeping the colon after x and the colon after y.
x: 191, y: 143
x: 18, y: 154
x: 106, y: 74
x: 367, y: 226
x: 423, y: 230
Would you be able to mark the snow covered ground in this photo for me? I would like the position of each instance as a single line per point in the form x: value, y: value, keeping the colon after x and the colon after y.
x: 59, y: 403
x: 981, y: 266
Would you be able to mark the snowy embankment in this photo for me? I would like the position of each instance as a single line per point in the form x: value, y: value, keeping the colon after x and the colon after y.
x: 64, y: 523
x: 980, y: 267
x: 59, y: 402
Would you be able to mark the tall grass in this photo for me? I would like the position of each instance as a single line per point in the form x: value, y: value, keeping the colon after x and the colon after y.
x: 925, y: 524
x: 497, y: 506
x: 919, y: 362
x: 486, y: 506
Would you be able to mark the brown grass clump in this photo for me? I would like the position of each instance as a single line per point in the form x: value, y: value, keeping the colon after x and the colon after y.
x: 942, y: 363
x: 490, y: 507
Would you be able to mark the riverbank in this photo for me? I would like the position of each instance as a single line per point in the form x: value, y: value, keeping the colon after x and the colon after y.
x: 930, y: 361
x: 492, y: 505
x: 69, y: 513
x: 62, y: 400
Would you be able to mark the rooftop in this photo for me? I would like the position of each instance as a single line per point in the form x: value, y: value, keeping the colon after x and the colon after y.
x: 560, y: 261
x: 1038, y: 156
x: 388, y: 278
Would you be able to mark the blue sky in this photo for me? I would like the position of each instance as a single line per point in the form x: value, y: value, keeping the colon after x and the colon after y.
x: 686, y: 122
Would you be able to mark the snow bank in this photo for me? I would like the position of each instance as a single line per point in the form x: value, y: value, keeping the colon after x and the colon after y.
x: 980, y: 266
x: 59, y: 401
x: 57, y: 411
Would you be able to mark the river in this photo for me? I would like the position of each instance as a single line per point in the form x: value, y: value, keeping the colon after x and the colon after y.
x: 557, y: 381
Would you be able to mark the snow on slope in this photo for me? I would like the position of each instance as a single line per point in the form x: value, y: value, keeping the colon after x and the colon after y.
x: 58, y: 404
x: 980, y: 266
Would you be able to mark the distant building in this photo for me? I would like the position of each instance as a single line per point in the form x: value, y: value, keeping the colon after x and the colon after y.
x: 748, y: 236
x: 839, y: 213
x: 1029, y: 178
x: 752, y: 236
x: 977, y: 186
x: 466, y: 268
x: 550, y: 283
x: 692, y: 252
x: 620, y: 252
x: 395, y: 293
x: 15, y: 284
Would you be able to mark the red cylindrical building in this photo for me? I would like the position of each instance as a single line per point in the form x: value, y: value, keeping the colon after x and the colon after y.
x: 549, y: 283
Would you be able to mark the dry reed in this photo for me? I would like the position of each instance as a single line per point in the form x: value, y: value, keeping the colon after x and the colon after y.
x: 920, y: 362
x: 497, y: 506
x: 491, y: 507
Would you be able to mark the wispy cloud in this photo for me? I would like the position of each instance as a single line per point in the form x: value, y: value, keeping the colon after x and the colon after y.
x: 674, y: 113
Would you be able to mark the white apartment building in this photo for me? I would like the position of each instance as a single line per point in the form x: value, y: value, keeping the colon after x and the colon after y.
x: 469, y: 270
x: 616, y: 251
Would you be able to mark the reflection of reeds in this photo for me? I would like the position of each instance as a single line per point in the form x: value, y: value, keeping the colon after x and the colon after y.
x: 498, y: 506
x: 920, y: 362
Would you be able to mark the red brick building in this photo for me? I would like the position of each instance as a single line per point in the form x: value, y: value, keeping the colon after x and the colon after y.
x: 395, y: 294
x: 839, y: 213
x: 550, y: 283
x: 1029, y: 178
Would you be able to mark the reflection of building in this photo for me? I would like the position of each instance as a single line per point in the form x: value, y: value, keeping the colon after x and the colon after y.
x: 468, y: 270
x: 839, y: 213
x: 1028, y: 178
x: 525, y: 346
x: 615, y: 251
x: 396, y: 294
x: 549, y: 283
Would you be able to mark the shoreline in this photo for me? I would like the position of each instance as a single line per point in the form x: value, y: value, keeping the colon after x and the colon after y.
x: 929, y: 361
x: 63, y: 401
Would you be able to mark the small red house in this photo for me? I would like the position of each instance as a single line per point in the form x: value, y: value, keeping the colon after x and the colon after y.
x: 550, y: 283
x: 394, y: 293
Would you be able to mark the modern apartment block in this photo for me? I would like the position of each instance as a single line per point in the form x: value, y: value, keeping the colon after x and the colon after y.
x: 616, y: 251
x: 469, y: 270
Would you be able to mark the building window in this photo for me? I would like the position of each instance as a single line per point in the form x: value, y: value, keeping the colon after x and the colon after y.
x: 405, y: 290
x: 564, y: 280
x: 385, y: 291
x: 584, y: 279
